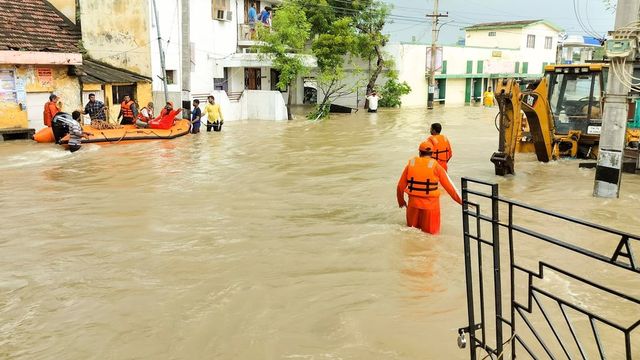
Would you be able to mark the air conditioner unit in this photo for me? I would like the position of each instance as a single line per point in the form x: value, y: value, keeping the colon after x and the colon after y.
x: 229, y: 15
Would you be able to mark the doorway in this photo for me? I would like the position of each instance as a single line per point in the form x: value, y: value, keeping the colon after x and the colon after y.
x: 252, y: 79
x: 247, y: 4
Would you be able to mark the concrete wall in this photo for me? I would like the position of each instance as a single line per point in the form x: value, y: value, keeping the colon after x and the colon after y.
x: 505, y: 38
x: 411, y: 63
x: 67, y: 88
x: 117, y: 32
x: 66, y: 7
x: 263, y: 105
x: 538, y: 55
x: 455, y: 92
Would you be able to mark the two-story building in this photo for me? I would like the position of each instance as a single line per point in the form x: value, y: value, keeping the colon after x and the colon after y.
x: 515, y: 49
x: 210, y: 50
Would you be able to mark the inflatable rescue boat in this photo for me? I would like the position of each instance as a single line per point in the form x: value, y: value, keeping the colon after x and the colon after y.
x: 125, y: 133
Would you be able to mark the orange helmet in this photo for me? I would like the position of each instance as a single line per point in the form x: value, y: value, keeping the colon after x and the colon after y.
x: 425, y: 146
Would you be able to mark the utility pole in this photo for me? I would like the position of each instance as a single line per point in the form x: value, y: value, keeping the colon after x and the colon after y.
x: 164, y: 69
x: 614, y: 120
x: 435, y: 18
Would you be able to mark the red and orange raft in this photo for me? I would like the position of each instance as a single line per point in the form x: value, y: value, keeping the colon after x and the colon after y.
x: 124, y: 134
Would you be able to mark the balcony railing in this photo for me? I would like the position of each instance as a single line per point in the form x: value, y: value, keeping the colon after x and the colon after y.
x: 245, y: 33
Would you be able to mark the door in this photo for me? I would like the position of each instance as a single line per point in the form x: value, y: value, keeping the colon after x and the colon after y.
x: 252, y: 79
x: 247, y: 4
x: 35, y: 109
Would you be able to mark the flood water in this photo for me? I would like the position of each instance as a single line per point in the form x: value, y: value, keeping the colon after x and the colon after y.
x: 270, y: 240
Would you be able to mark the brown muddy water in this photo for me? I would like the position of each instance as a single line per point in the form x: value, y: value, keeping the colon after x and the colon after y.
x: 270, y: 240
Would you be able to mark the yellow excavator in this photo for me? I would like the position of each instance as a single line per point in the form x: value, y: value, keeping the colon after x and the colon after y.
x: 557, y: 115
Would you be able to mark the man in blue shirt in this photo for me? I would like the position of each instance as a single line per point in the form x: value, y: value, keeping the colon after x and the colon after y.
x: 196, y: 115
x: 252, y: 19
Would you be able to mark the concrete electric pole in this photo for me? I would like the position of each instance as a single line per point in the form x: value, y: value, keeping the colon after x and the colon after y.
x: 614, y: 120
x: 164, y: 69
x: 435, y: 17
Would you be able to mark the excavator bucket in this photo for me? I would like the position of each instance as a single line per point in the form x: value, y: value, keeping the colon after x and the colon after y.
x: 503, y: 164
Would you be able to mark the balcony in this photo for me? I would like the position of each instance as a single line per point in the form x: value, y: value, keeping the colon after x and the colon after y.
x: 247, y: 38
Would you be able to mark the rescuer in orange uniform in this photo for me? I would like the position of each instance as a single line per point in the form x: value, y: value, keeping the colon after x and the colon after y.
x: 440, y: 146
x: 50, y: 109
x: 422, y: 180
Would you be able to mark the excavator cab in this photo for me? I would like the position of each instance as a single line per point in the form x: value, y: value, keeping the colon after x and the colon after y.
x: 576, y: 95
x: 576, y: 100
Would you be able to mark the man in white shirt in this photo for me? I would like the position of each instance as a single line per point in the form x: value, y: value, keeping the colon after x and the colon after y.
x: 373, y: 102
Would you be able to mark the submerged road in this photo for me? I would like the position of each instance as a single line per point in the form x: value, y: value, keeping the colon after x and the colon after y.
x: 270, y: 240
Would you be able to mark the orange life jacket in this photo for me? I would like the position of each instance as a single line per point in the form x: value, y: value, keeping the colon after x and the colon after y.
x: 441, y: 147
x: 50, y: 110
x: 126, y: 109
x: 143, y: 118
x: 421, y: 178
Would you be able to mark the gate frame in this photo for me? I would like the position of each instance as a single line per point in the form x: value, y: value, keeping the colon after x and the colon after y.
x: 623, y: 249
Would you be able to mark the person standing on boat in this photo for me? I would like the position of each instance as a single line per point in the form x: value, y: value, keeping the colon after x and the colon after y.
x: 422, y: 180
x: 95, y: 108
x: 128, y: 111
x: 196, y: 115
x: 214, y: 115
x: 51, y: 108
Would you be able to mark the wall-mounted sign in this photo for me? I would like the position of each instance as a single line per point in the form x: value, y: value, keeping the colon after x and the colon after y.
x: 45, y: 75
x: 496, y: 53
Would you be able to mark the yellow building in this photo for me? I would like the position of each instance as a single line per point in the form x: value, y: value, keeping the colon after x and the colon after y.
x: 36, y: 50
x: 115, y: 33
x: 42, y: 51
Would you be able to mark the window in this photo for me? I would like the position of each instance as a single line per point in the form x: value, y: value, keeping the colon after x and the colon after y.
x: 8, y: 91
x: 275, y: 79
x: 220, y: 10
x: 171, y: 77
x: 492, y: 33
x: 531, y: 41
x: 223, y: 82
x: 120, y: 91
x: 548, y: 40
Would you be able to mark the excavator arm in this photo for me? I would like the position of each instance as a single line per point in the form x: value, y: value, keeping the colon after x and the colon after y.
x: 512, y: 102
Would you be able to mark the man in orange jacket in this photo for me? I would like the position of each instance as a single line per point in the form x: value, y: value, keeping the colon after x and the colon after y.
x: 50, y: 109
x: 440, y: 145
x: 422, y: 180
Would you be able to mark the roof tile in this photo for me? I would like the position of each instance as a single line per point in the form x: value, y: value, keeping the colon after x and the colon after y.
x: 34, y: 25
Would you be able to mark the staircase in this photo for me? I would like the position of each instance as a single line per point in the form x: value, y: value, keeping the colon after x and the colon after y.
x: 235, y: 96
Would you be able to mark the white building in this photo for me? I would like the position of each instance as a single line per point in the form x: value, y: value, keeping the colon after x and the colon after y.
x: 208, y: 47
x: 517, y: 49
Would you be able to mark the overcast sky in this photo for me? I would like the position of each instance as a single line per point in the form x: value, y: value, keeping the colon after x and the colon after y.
x: 409, y: 19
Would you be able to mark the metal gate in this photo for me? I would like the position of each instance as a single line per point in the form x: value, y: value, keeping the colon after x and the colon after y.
x: 532, y: 294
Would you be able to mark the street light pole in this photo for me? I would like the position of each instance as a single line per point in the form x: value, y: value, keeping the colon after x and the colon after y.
x: 435, y: 17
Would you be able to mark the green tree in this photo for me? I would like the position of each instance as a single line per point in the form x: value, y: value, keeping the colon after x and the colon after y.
x: 285, y: 45
x: 332, y: 49
x: 392, y: 92
x: 370, y: 19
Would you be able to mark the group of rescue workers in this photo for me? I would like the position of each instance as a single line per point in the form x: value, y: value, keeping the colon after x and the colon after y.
x: 62, y: 123
x: 422, y: 179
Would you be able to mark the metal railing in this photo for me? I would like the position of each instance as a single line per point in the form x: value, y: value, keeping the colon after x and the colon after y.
x: 548, y: 321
